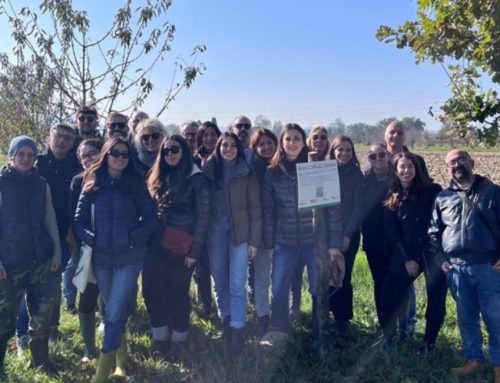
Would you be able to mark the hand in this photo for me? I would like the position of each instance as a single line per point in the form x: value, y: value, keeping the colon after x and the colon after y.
x: 270, y: 253
x: 496, y: 266
x: 3, y: 273
x: 335, y: 255
x: 252, y: 252
x: 189, y: 262
x: 55, y: 263
x: 412, y: 268
x: 446, y: 266
x: 71, y: 240
x: 346, y: 244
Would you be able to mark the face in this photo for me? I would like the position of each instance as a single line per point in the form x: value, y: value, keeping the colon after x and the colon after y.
x: 24, y: 160
x: 151, y: 140
x: 118, y: 158
x: 228, y: 149
x: 116, y: 126
x: 292, y: 144
x: 209, y: 139
x: 241, y: 127
x: 86, y: 123
x: 266, y: 147
x: 135, y: 119
x: 378, y: 158
x: 343, y: 153
x: 405, y: 170
x: 394, y: 136
x: 459, y: 166
x: 320, y: 141
x: 60, y: 142
x: 172, y: 152
x: 189, y: 133
x: 88, y: 155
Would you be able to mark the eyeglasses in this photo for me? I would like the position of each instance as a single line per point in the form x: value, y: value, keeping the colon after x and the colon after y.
x: 322, y: 137
x: 115, y: 153
x: 243, y: 126
x: 173, y: 149
x: 87, y: 117
x: 89, y: 154
x: 462, y: 160
x: 153, y: 136
x: 64, y: 137
x: 117, y: 125
x: 380, y: 155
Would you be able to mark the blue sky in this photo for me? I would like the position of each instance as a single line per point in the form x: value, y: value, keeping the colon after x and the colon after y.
x: 293, y: 61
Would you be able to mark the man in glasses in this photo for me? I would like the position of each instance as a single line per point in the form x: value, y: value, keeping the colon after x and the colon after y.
x: 87, y: 123
x: 242, y: 127
x: 188, y: 130
x: 117, y: 125
x: 465, y: 241
x: 58, y: 166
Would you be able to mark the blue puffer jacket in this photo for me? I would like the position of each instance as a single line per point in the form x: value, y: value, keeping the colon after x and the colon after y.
x: 125, y: 219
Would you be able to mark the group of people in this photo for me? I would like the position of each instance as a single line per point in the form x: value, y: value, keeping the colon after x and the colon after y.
x: 220, y: 205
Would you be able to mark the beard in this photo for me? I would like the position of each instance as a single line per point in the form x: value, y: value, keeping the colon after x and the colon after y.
x: 461, y: 174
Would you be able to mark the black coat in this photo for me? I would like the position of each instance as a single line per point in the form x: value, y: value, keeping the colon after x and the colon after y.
x: 468, y: 232
x: 406, y: 227
x: 351, y: 197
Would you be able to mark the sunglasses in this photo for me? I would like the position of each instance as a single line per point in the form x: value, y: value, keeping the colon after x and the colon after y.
x: 457, y: 161
x: 89, y: 118
x: 115, y: 153
x: 320, y: 137
x: 173, y: 149
x: 243, y: 126
x: 117, y: 125
x: 152, y: 136
x: 380, y: 155
x: 89, y: 154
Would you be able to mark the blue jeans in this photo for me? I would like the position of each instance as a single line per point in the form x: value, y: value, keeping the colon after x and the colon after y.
x: 69, y: 289
x: 23, y: 319
x: 476, y: 290
x: 229, y: 268
x: 262, y: 280
x: 284, y: 262
x: 117, y: 287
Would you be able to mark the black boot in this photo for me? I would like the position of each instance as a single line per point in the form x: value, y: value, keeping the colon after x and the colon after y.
x: 4, y: 341
x: 226, y: 330
x: 237, y: 343
x: 40, y: 355
x: 87, y: 327
x: 262, y: 325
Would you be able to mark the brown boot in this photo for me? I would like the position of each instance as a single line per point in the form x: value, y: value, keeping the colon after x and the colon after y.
x: 497, y: 374
x: 470, y: 367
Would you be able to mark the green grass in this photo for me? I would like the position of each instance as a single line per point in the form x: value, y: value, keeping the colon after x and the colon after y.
x: 205, y: 358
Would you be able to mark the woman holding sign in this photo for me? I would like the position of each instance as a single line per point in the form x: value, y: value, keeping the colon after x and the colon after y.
x: 288, y: 233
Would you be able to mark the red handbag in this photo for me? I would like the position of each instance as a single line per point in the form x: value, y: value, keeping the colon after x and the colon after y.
x: 176, y: 241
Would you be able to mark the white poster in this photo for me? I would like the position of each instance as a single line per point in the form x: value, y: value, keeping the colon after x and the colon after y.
x: 318, y: 184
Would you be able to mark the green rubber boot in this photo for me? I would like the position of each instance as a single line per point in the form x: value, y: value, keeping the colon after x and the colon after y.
x: 104, y: 367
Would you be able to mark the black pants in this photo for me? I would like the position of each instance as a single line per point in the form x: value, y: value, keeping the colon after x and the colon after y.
x: 165, y: 286
x: 395, y: 301
x: 378, y: 256
x: 341, y: 304
x: 203, y: 281
x: 88, y: 300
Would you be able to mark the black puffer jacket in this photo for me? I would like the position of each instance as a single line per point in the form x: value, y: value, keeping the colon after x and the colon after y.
x: 406, y: 227
x: 351, y: 197
x: 284, y: 224
x: 189, y: 212
x: 460, y: 230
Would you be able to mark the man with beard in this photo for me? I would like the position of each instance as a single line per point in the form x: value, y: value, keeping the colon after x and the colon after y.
x: 242, y: 126
x: 86, y: 124
x: 465, y: 241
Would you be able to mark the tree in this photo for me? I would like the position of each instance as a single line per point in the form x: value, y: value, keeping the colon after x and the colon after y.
x: 263, y: 122
x: 98, y: 70
x: 467, y: 34
x: 360, y: 133
x: 336, y: 127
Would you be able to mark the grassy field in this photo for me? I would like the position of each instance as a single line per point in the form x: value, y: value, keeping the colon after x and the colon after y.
x: 205, y: 359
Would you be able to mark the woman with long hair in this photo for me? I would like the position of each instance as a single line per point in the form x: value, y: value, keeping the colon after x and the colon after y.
x: 288, y: 232
x: 182, y: 196
x: 317, y: 141
x: 148, y: 136
x: 263, y: 143
x: 123, y: 221
x: 377, y: 180
x: 206, y: 138
x: 351, y: 204
x: 407, y: 216
x: 234, y: 235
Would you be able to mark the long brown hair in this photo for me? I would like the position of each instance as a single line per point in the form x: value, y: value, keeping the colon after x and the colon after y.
x: 397, y: 194
x: 280, y: 152
x: 337, y: 140
x: 96, y: 173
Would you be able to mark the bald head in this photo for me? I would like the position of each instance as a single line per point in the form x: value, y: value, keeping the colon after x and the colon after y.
x: 241, y: 127
x: 460, y: 167
x: 455, y: 154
